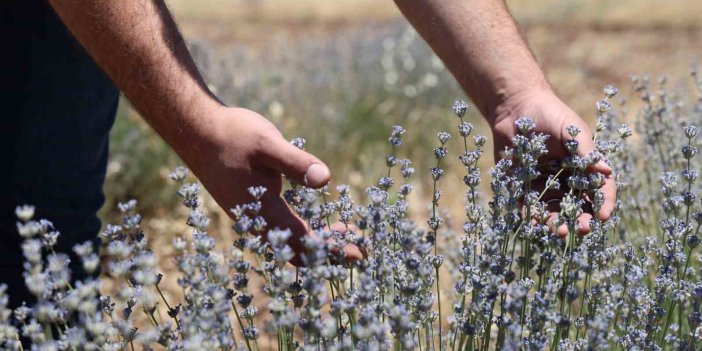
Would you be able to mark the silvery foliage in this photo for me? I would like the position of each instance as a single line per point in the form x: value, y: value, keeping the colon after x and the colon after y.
x: 506, y: 280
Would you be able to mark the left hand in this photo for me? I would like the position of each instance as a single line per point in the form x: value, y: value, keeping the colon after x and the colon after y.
x: 552, y: 116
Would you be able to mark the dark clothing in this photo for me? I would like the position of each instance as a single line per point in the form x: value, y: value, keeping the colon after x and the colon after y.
x: 57, y: 110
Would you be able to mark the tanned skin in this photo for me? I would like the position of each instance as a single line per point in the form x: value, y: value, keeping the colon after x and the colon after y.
x: 482, y: 47
x: 138, y: 45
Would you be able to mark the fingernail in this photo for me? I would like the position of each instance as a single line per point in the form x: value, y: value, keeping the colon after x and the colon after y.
x: 317, y: 174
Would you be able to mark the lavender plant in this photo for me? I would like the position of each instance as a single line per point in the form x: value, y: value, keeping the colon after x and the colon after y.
x: 505, y: 281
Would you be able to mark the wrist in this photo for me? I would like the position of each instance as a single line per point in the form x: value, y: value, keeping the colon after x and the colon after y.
x: 196, y: 131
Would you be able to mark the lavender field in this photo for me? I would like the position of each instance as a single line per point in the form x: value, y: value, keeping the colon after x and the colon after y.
x: 462, y: 249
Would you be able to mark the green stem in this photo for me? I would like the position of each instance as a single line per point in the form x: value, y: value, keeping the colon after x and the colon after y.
x: 241, y: 325
x: 438, y: 297
x: 175, y: 318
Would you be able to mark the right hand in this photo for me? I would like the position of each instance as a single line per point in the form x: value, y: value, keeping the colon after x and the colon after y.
x: 240, y: 149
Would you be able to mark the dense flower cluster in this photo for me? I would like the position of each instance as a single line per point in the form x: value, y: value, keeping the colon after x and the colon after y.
x: 505, y: 281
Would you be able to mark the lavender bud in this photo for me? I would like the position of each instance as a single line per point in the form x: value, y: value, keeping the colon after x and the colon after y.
x: 571, y: 146
x: 600, y: 125
x: 460, y: 108
x: 179, y: 174
x: 343, y: 189
x: 440, y: 152
x: 436, y: 261
x: 128, y: 206
x: 472, y: 180
x: 376, y: 195
x: 24, y: 212
x: 570, y: 207
x: 398, y: 131
x: 405, y: 189
x: 298, y: 143
x: 689, y: 152
x: 407, y: 172
x: 435, y: 222
x: 244, y: 300
x: 573, y: 131
x: 578, y: 182
x: 259, y: 224
x: 691, y: 131
x: 251, y: 333
x: 688, y: 198
x: 436, y: 173
x: 598, y: 200
x: 624, y: 131
x: 597, y: 180
x: 385, y: 183
x: 256, y: 191
x: 610, y: 90
x: 603, y: 106
x: 689, y: 175
x: 443, y: 137
x: 525, y: 125
x: 464, y: 129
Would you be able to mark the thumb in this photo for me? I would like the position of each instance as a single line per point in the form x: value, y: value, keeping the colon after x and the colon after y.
x: 296, y: 164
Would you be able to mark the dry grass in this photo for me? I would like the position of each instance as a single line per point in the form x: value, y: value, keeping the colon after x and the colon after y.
x: 226, y: 21
x: 580, y: 43
x: 255, y: 22
x: 644, y: 13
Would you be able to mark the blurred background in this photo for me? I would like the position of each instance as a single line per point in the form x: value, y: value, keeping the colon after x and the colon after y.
x: 341, y: 73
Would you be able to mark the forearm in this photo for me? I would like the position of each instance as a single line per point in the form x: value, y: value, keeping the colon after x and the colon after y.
x: 138, y: 45
x: 481, y: 46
